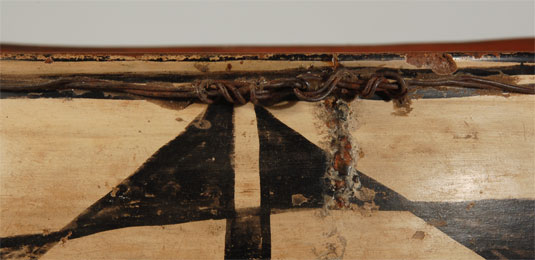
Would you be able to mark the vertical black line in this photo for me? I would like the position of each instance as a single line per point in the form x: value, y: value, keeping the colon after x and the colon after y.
x: 265, y: 224
x: 245, y: 237
x: 265, y: 212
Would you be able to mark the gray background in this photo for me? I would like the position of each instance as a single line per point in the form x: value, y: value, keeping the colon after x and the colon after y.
x: 179, y: 23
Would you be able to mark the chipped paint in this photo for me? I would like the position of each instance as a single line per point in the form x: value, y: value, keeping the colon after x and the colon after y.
x: 439, y: 63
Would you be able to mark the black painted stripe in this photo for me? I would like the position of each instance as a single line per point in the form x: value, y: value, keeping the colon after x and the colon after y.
x: 513, y: 70
x: 94, y: 94
x: 484, y: 225
x: 248, y: 237
x: 502, y: 57
x: 521, y: 57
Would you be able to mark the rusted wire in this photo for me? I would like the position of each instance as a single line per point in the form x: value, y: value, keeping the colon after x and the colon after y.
x: 310, y: 87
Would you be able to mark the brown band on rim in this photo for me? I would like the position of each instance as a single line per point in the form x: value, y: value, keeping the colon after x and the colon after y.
x: 509, y: 45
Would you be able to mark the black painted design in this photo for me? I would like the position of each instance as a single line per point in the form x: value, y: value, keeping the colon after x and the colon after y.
x: 285, y: 172
x: 509, y: 70
x: 93, y: 94
x: 501, y: 57
x: 290, y: 165
x: 189, y: 179
x: 248, y: 237
x: 173, y: 187
x: 485, y: 226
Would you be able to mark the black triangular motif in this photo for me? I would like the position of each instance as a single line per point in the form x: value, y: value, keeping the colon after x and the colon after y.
x: 189, y: 179
x: 290, y: 165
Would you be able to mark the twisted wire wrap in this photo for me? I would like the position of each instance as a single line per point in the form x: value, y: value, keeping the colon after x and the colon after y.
x: 308, y: 86
x: 301, y: 87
